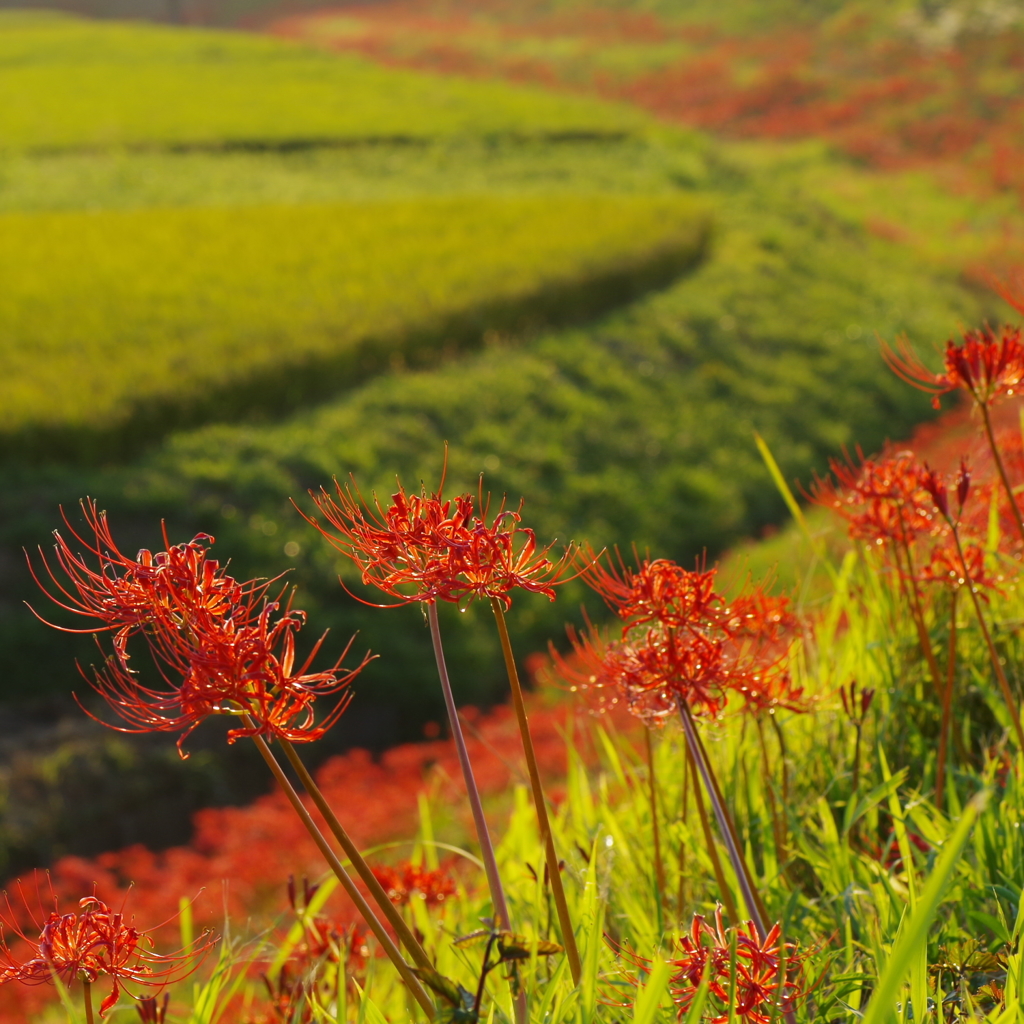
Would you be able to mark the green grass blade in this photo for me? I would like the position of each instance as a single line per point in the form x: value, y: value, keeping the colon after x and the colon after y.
x: 792, y: 504
x: 914, y: 931
x: 649, y: 998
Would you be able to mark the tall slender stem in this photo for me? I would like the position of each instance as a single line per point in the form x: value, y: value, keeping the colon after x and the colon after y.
x: 1014, y: 507
x: 480, y: 821
x: 1004, y: 685
x: 780, y: 845
x: 482, y: 832
x: 917, y: 614
x: 387, y: 943
x: 680, y: 896
x: 539, y: 801
x: 87, y: 999
x: 754, y: 907
x: 652, y: 783
x: 947, y: 707
x: 709, y: 840
x: 395, y: 919
x: 857, y: 726
x: 731, y: 824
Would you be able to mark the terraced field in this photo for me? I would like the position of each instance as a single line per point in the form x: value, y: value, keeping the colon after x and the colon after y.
x: 127, y: 321
x: 67, y: 83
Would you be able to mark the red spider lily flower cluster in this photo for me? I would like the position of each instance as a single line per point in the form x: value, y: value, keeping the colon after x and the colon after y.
x: 96, y: 941
x: 986, y: 364
x: 883, y: 500
x: 897, y: 502
x: 220, y: 645
x: 682, y: 640
x: 410, y: 881
x: 748, y: 978
x: 423, y: 547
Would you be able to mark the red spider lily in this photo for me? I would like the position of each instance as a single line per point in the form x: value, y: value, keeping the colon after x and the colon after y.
x: 125, y: 595
x: 682, y: 640
x: 302, y: 980
x: 985, y: 364
x: 747, y: 978
x: 768, y: 973
x: 682, y: 599
x: 231, y: 672
x: 93, y: 942
x: 658, y: 590
x: 935, y: 484
x: 944, y: 566
x: 217, y: 645
x: 882, y: 499
x: 425, y: 548
x: 410, y: 881
x: 650, y: 669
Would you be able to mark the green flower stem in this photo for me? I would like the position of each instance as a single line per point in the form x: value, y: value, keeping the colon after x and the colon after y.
x: 750, y: 896
x: 395, y: 919
x: 475, y: 803
x: 709, y: 841
x: 1004, y: 685
x: 555, y: 876
x: 387, y: 943
x: 87, y: 999
x: 947, y: 707
x: 990, y: 436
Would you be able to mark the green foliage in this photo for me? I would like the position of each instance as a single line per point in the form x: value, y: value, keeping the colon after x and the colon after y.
x: 106, y: 316
x: 67, y: 83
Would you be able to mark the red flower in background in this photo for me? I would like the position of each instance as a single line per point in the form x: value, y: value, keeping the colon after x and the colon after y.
x: 220, y: 646
x: 882, y: 500
x: 91, y: 943
x: 425, y: 548
x: 986, y: 364
x: 747, y: 978
x: 410, y: 881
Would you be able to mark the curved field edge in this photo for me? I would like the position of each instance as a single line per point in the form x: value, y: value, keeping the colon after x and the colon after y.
x: 122, y: 326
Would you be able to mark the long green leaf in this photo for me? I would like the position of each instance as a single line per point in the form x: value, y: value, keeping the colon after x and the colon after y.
x: 792, y: 504
x: 914, y: 931
x: 649, y: 998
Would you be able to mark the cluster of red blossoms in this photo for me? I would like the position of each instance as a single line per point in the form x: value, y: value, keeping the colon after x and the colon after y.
x: 96, y: 941
x: 749, y: 978
x: 407, y: 882
x: 682, y: 641
x: 426, y: 548
x: 220, y: 646
x: 897, y: 504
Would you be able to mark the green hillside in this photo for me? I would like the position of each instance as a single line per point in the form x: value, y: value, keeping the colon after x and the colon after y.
x: 67, y: 83
x: 158, y: 316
